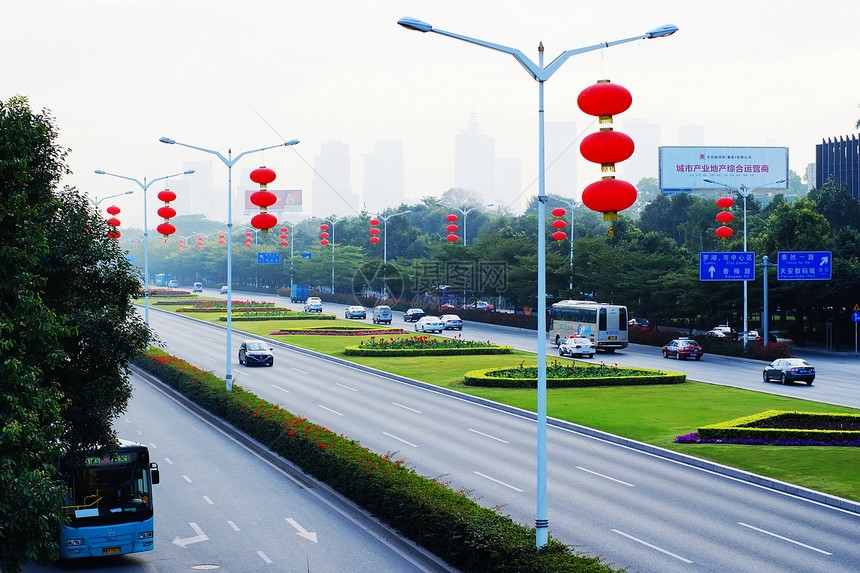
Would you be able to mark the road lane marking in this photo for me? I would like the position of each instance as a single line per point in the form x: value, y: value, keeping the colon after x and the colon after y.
x: 186, y: 478
x: 169, y: 461
x: 153, y: 446
x: 406, y: 408
x: 489, y: 436
x: 646, y: 544
x: 207, y: 500
x: 300, y: 371
x: 498, y: 481
x: 189, y: 540
x: 233, y: 525
x: 783, y: 538
x: 345, y: 386
x: 400, y: 439
x: 263, y: 557
x: 276, y: 387
x: 301, y: 531
x: 605, y: 477
x: 139, y: 433
x: 330, y: 410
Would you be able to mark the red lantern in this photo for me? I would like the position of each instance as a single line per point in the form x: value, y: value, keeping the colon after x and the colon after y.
x: 452, y: 238
x: 221, y: 241
x: 113, y: 234
x: 264, y: 222
x: 725, y: 217
x: 113, y: 222
x: 374, y: 221
x: 166, y: 212
x: 324, y: 235
x: 283, y: 229
x: 113, y: 210
x: 451, y: 228
x: 608, y: 196
x: 374, y: 239
x: 248, y: 245
x: 451, y: 218
x: 724, y: 232
x: 199, y: 247
x: 324, y: 242
x: 374, y: 231
x: 558, y: 212
x: 559, y: 236
x: 263, y: 199
x: 284, y: 243
x: 166, y: 229
x: 604, y: 99
x: 262, y: 176
x: 558, y: 224
x: 221, y: 236
x: 167, y: 196
x: 606, y: 147
x: 725, y: 202
x: 284, y: 235
x: 323, y: 227
x: 249, y: 234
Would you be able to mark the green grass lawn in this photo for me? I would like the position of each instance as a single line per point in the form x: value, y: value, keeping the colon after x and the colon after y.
x: 650, y: 414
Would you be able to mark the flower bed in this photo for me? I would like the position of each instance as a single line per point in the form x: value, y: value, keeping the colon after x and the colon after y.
x: 444, y: 521
x: 340, y: 331
x: 424, y: 346
x: 569, y: 375
x: 291, y: 316
x: 782, y: 428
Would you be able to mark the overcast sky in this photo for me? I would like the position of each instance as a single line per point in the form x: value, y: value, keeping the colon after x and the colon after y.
x: 119, y: 74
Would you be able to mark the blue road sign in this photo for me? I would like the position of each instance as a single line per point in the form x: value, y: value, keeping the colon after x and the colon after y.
x: 268, y: 258
x: 727, y: 266
x: 804, y: 265
x: 855, y: 316
x: 306, y: 255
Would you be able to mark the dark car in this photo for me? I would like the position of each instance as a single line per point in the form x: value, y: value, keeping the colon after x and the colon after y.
x: 683, y: 348
x: 255, y: 353
x: 413, y: 314
x: 789, y: 370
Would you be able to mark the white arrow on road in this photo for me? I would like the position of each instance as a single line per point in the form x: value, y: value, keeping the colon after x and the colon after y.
x: 189, y: 540
x: 301, y: 531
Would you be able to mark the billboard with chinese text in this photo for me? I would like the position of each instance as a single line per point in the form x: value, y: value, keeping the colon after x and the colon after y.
x: 686, y: 168
x: 288, y: 200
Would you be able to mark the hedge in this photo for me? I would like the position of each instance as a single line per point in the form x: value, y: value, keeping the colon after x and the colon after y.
x: 482, y: 378
x: 292, y: 316
x: 360, y: 351
x: 749, y: 428
x: 444, y: 521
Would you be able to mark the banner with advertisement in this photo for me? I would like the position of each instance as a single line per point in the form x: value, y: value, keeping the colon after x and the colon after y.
x: 686, y: 168
x: 288, y: 201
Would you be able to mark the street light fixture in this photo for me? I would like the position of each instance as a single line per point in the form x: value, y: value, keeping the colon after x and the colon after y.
x: 385, y: 219
x: 144, y: 186
x: 464, y: 212
x: 744, y: 192
x: 229, y: 161
x: 332, y: 223
x: 541, y: 74
x: 97, y: 202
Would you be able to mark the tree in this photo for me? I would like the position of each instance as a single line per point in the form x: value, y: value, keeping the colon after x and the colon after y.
x: 838, y: 206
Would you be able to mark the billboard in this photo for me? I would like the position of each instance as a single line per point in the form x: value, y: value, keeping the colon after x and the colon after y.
x: 288, y: 200
x: 686, y: 168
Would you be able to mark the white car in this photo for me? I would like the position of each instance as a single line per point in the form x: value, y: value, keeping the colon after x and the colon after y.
x: 429, y: 324
x: 576, y: 345
x: 224, y: 289
x: 451, y: 322
x: 313, y: 304
x: 355, y: 312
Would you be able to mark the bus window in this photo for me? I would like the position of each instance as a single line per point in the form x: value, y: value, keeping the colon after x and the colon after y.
x: 622, y: 318
x: 602, y: 322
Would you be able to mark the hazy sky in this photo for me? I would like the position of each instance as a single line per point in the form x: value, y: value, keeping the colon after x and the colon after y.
x: 119, y: 74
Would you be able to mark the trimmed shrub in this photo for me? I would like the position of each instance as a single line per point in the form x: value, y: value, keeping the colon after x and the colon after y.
x: 787, y: 428
x: 570, y: 376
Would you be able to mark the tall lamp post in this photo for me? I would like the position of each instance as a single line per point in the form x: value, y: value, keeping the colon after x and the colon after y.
x: 385, y: 219
x: 744, y: 192
x: 464, y: 213
x: 332, y: 223
x: 573, y: 205
x: 97, y: 202
x: 541, y: 74
x: 229, y: 161
x: 144, y: 186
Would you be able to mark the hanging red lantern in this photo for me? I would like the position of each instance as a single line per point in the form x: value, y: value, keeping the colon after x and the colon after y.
x: 166, y: 229
x: 374, y: 231
x: 451, y: 228
x: 263, y: 176
x: 607, y: 147
x: 452, y: 238
x: 283, y: 229
x: 323, y: 227
x: 324, y: 242
x: 604, y: 99
x: 248, y: 245
x: 113, y: 210
x: 166, y: 212
x: 114, y: 234
x: 263, y: 199
x: 283, y: 236
x: 451, y: 218
x: 199, y: 247
x: 249, y: 234
x: 284, y: 243
x: 374, y: 239
x: 374, y: 221
x: 725, y: 202
x: 725, y: 217
x: 558, y: 212
x: 608, y: 196
x: 559, y: 235
x: 113, y: 222
x: 324, y: 235
x: 558, y: 224
x: 264, y: 222
x: 167, y: 196
x: 724, y: 232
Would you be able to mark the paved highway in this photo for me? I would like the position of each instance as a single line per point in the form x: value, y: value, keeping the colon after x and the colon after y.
x: 634, y: 509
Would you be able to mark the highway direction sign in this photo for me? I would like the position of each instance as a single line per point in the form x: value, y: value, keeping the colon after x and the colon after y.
x: 804, y: 265
x: 727, y: 266
x: 268, y: 258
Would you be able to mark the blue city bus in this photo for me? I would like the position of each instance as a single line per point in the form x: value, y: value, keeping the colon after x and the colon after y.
x: 108, y: 505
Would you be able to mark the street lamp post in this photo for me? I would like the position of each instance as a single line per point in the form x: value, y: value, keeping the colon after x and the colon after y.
x: 144, y: 186
x: 464, y: 212
x: 541, y: 74
x: 385, y: 219
x: 229, y: 161
x: 573, y: 205
x: 97, y: 202
x: 332, y: 223
x: 744, y: 192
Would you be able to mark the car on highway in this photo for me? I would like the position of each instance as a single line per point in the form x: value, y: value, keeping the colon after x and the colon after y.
x: 173, y: 284
x: 355, y: 312
x: 643, y: 322
x: 198, y: 287
x: 224, y: 289
x: 413, y: 314
x: 682, y: 348
x: 313, y: 304
x: 451, y: 322
x: 255, y: 353
x: 481, y: 305
x: 382, y: 314
x: 789, y: 370
x: 429, y: 324
x: 576, y: 345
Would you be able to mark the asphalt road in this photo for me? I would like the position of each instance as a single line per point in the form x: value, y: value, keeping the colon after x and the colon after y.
x: 634, y: 509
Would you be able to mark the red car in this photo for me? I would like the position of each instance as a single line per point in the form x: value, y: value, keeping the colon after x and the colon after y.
x: 683, y: 348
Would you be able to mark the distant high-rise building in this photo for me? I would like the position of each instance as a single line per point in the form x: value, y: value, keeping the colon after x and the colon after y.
x: 474, y: 160
x: 562, y: 155
x: 810, y: 176
x: 691, y: 135
x: 331, y: 189
x: 509, y: 195
x: 383, y: 182
x: 204, y: 199
x: 645, y: 159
